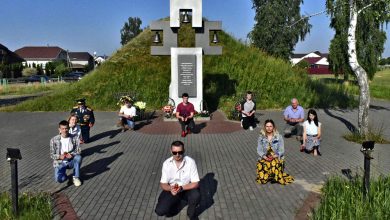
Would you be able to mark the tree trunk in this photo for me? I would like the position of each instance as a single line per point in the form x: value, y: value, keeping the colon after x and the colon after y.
x: 361, y: 74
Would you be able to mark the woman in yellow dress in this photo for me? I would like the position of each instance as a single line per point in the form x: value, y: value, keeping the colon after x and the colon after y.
x: 270, y: 147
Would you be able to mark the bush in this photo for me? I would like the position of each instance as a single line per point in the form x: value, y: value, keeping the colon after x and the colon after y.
x: 29, y: 71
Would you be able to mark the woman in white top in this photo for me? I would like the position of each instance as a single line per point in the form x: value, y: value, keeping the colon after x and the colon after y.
x: 311, y: 134
x: 74, y: 128
x: 127, y: 114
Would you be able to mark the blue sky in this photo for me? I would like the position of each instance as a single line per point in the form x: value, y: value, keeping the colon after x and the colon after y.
x: 81, y: 25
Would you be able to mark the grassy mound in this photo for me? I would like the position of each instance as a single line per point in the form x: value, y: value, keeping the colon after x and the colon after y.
x: 226, y: 77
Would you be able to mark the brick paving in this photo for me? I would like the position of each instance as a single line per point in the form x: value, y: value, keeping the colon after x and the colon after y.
x: 121, y: 171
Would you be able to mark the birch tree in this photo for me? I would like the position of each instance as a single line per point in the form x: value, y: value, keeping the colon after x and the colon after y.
x: 356, y: 9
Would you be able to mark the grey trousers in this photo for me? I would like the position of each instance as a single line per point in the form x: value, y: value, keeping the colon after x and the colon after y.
x: 291, y: 128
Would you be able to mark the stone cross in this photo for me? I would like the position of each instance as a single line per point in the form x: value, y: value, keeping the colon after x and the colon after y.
x: 186, y: 63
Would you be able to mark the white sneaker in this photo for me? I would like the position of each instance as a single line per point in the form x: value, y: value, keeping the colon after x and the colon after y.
x: 251, y: 128
x: 76, y: 181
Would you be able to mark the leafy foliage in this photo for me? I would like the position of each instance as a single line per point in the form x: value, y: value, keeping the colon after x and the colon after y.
x: 369, y: 34
x: 343, y: 199
x: 273, y: 31
x: 31, y: 206
x: 130, y: 29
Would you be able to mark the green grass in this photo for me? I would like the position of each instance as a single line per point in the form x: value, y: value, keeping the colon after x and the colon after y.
x: 374, y: 134
x: 238, y: 69
x: 27, y: 89
x: 31, y: 206
x: 343, y: 199
x: 379, y: 86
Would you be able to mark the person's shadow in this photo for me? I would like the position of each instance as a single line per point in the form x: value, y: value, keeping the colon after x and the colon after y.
x: 97, y: 149
x: 98, y: 167
x: 208, y: 187
x: 111, y: 134
x: 199, y: 127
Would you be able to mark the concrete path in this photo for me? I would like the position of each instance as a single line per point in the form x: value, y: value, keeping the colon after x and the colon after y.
x: 121, y: 171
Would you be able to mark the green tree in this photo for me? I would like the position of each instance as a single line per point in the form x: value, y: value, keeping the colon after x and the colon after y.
x: 378, y: 13
x: 130, y: 29
x: 369, y: 35
x: 276, y: 29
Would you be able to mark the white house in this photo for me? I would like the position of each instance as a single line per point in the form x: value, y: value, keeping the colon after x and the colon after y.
x: 41, y: 55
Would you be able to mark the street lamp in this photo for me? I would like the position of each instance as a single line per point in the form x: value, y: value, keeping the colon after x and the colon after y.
x: 13, y: 154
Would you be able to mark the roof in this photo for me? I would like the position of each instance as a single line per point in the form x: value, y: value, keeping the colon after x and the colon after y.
x: 73, y: 56
x: 11, y: 57
x: 39, y: 52
x: 312, y: 60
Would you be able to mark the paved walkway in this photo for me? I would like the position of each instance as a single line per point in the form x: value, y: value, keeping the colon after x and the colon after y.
x: 121, y: 171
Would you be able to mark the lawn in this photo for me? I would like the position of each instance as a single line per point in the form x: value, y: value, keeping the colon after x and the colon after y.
x: 379, y: 86
x: 28, y: 89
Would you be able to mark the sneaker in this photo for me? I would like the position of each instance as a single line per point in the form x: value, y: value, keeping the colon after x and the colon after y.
x: 251, y: 128
x: 183, y: 133
x: 76, y: 181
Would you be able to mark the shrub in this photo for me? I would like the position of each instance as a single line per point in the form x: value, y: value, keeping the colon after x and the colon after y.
x: 29, y: 71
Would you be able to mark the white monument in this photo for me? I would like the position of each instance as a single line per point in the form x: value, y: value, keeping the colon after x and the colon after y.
x: 186, y: 63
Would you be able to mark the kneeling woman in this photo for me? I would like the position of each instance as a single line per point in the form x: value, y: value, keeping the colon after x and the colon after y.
x: 270, y: 147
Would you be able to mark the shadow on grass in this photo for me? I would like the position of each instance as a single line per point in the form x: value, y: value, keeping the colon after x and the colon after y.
x: 215, y: 86
x: 331, y: 97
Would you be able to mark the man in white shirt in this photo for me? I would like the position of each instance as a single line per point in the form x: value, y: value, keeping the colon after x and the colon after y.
x: 179, y: 181
x: 65, y: 152
x: 127, y: 114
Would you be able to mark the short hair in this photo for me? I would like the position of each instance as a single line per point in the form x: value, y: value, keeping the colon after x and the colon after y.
x: 63, y: 123
x: 184, y: 95
x: 249, y: 92
x: 177, y: 144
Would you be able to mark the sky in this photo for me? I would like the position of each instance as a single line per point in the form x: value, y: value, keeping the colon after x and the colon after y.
x: 94, y: 26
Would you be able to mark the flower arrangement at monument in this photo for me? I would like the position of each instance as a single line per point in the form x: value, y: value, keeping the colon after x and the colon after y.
x: 140, y: 105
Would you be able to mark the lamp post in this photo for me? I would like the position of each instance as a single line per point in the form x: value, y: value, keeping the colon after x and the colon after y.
x: 367, y: 149
x: 13, y: 154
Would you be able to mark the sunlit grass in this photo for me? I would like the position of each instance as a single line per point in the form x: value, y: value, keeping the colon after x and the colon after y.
x: 343, y: 199
x: 28, y: 88
x: 240, y: 68
x: 31, y: 206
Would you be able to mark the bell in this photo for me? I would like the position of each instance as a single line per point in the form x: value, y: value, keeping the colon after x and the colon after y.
x: 186, y: 19
x: 215, y: 38
x: 157, y: 38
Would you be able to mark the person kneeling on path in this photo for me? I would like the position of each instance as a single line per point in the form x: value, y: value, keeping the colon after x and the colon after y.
x: 65, y: 152
x: 311, y: 134
x: 127, y: 114
x: 185, y: 112
x: 179, y: 181
x: 248, y: 109
x: 86, y: 119
x: 294, y: 116
x: 270, y: 148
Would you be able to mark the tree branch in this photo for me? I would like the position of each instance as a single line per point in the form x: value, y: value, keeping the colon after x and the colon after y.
x: 305, y: 17
x: 365, y: 7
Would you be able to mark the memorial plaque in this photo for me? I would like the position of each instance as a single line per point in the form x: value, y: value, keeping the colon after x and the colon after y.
x: 187, y: 75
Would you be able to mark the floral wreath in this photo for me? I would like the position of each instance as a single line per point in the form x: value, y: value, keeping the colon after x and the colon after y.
x: 123, y: 99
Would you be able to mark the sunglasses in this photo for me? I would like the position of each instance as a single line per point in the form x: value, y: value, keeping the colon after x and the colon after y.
x: 177, y: 152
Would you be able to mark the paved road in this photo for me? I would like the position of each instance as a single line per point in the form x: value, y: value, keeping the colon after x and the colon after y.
x: 121, y: 171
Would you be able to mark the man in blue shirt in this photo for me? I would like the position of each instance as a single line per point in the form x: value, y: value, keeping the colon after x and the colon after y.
x: 294, y: 116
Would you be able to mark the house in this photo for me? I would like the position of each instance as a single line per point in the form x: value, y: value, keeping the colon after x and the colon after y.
x: 100, y: 59
x: 37, y: 55
x: 317, y: 62
x: 9, y: 57
x: 80, y: 60
x: 10, y: 63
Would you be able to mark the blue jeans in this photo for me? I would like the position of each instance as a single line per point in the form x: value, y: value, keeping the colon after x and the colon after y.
x: 60, y: 171
x: 130, y: 123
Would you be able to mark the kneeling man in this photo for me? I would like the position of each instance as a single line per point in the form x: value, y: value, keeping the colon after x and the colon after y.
x: 65, y: 151
x: 179, y: 181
